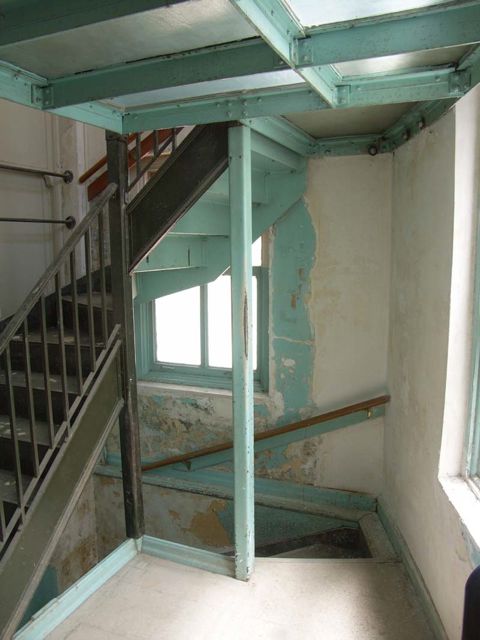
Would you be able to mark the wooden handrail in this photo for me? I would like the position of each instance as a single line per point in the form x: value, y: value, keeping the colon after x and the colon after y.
x: 294, y: 426
x: 147, y: 144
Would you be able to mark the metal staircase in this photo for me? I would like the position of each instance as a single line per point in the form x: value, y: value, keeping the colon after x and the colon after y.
x: 67, y: 366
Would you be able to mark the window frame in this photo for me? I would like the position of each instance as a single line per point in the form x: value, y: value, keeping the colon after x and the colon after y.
x: 201, y: 375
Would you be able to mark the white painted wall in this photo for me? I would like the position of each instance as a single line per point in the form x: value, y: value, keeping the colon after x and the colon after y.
x: 349, y: 200
x: 38, y: 140
x: 434, y: 183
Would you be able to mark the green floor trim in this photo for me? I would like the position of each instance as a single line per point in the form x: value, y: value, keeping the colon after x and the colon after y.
x: 56, y: 611
x: 189, y: 556
x: 281, y: 494
x: 400, y: 545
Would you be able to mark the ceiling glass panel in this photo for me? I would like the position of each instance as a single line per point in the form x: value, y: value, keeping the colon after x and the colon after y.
x: 313, y: 12
x: 179, y: 27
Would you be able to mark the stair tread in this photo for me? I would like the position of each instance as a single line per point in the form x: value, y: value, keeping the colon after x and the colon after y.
x: 22, y: 427
x: 82, y: 298
x: 53, y: 338
x: 8, y: 486
x: 18, y: 380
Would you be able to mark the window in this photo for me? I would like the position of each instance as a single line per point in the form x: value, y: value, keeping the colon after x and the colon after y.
x: 190, y: 335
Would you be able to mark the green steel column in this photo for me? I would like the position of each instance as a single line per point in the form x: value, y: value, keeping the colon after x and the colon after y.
x: 240, y: 173
x: 123, y: 315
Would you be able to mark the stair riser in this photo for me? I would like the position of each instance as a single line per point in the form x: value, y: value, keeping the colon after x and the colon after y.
x: 7, y: 456
x: 54, y: 358
x: 39, y: 400
x: 83, y: 318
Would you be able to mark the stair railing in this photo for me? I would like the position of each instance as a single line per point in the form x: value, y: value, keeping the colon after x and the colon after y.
x: 88, y: 243
x: 139, y: 145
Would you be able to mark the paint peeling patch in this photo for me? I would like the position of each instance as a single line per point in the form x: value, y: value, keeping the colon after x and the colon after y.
x: 207, y: 527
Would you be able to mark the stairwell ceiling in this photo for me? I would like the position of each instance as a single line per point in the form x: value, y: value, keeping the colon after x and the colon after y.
x: 106, y: 36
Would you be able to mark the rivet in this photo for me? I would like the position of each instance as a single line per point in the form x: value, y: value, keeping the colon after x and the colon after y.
x: 373, y: 150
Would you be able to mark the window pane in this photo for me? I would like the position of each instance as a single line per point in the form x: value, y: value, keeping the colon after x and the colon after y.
x: 177, y: 324
x: 220, y: 323
x: 257, y: 252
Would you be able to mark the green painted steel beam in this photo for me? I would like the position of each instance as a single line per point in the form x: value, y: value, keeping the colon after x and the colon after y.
x: 275, y: 22
x: 222, y: 109
x: 19, y: 86
x: 283, y: 132
x: 176, y: 252
x: 346, y: 145
x: 23, y: 20
x: 432, y: 28
x: 96, y: 114
x: 201, y: 65
x: 412, y: 86
x: 275, y: 154
x: 240, y: 178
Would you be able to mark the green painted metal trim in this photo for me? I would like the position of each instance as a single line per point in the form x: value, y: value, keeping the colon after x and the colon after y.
x: 20, y: 86
x: 240, y: 186
x: 276, y: 153
x: 283, y: 132
x: 58, y: 610
x: 401, y: 547
x: 429, y: 28
x: 345, y: 145
x: 282, y: 441
x: 200, y: 65
x: 276, y: 23
x: 226, y: 108
x: 94, y: 113
x: 177, y: 252
x: 31, y: 19
x: 412, y: 86
x: 346, y: 505
x: 189, y: 556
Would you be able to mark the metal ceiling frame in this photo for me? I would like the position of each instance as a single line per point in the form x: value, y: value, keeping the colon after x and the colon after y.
x: 283, y: 44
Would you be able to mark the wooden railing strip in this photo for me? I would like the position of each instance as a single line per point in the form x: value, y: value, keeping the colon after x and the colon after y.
x: 264, y: 435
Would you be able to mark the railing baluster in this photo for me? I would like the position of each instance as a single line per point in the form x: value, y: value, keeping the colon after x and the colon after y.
x: 91, y: 320
x: 30, y: 402
x: 46, y: 372
x: 3, y: 523
x: 61, y: 347
x: 174, y: 140
x: 76, y: 323
x: 13, y: 431
x: 103, y: 285
x: 155, y: 143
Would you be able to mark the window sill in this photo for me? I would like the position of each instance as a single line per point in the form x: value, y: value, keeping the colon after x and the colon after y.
x: 465, y: 498
x: 149, y: 387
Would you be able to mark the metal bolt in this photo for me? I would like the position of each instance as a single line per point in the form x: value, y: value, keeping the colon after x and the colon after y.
x: 373, y: 149
x: 421, y: 123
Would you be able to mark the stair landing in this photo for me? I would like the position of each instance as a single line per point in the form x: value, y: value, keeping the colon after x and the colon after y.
x: 155, y: 599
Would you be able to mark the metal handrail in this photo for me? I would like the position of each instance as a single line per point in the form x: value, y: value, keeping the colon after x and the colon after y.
x: 60, y: 419
x: 69, y: 221
x: 34, y: 295
x: 66, y: 176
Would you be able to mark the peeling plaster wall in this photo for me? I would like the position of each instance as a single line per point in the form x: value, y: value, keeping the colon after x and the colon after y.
x: 329, y: 265
x: 76, y: 552
x: 424, y: 203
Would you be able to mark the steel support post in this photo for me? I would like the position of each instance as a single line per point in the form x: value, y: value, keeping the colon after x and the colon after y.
x: 240, y: 172
x: 123, y: 315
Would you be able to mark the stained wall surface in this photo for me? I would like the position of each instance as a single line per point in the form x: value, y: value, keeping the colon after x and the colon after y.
x: 329, y: 280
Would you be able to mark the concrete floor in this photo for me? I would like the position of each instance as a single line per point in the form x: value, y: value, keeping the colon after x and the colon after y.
x: 287, y: 599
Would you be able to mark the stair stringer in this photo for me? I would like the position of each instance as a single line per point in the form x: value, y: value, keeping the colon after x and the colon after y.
x: 285, y: 190
x: 22, y: 566
x: 176, y: 187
